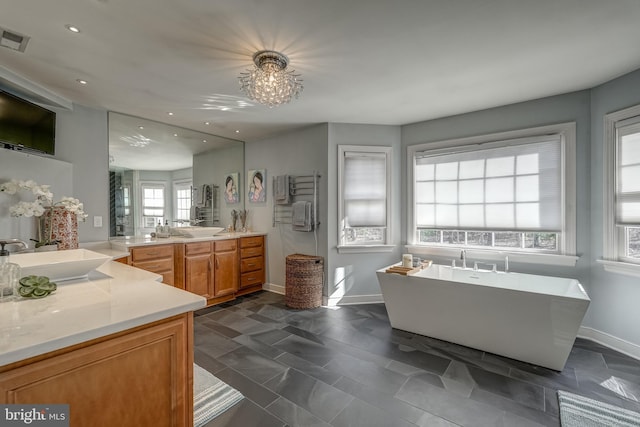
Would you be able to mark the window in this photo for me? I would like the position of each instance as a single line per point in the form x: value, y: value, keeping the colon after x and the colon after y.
x: 622, y: 188
x: 182, y: 200
x: 363, y: 203
x: 126, y: 200
x: 152, y: 204
x: 509, y: 192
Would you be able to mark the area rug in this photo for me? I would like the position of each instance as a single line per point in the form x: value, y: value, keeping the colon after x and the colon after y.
x: 579, y: 411
x: 211, y: 397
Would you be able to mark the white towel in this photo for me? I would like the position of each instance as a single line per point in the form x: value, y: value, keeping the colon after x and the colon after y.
x: 299, y: 214
x: 302, y: 216
x: 281, y: 192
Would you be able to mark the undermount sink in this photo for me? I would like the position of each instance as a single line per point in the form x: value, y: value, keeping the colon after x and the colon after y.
x: 197, y: 231
x: 59, y: 265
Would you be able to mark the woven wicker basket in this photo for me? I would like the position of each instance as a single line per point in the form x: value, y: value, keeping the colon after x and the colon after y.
x: 304, y: 281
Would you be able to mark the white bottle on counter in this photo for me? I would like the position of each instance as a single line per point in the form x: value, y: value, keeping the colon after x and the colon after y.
x: 9, y: 276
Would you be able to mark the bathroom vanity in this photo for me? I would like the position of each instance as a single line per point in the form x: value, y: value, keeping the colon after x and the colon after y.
x: 219, y: 267
x: 117, y: 346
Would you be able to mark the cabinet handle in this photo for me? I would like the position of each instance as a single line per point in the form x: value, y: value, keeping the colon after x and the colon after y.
x: 153, y: 253
x: 250, y: 264
x: 209, y: 264
x: 217, y: 263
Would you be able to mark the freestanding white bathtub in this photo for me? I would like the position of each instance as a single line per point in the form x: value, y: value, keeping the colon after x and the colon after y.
x: 525, y: 317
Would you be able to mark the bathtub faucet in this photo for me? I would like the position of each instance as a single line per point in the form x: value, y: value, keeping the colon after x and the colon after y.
x: 463, y: 257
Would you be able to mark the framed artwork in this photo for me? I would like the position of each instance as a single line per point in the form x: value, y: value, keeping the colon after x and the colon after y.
x: 257, y: 191
x: 231, y: 188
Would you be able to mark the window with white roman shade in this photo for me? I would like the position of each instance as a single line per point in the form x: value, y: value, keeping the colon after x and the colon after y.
x: 628, y: 172
x: 364, y: 205
x: 621, y: 239
x: 511, y: 185
x: 508, y: 192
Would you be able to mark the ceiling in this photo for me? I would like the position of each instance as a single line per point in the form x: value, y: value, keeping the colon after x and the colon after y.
x: 362, y: 61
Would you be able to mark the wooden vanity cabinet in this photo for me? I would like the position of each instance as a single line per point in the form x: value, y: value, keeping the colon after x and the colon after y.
x: 198, y: 268
x: 139, y: 377
x: 251, y: 264
x: 225, y: 260
x: 157, y: 259
x: 218, y: 270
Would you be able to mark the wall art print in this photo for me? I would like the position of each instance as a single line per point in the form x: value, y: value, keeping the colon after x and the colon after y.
x: 257, y: 190
x: 232, y: 188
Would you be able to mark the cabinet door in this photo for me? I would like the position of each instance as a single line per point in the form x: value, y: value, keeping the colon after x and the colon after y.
x: 199, y: 275
x: 226, y: 273
x: 139, y: 378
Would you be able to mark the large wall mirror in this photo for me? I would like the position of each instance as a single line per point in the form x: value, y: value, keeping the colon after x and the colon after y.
x: 159, y: 173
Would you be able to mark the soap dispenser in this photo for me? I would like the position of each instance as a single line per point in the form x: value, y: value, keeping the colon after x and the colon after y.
x: 9, y: 275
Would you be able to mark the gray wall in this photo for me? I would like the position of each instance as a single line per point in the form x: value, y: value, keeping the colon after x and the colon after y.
x: 296, y: 153
x: 614, y: 297
x: 353, y: 275
x: 81, y: 140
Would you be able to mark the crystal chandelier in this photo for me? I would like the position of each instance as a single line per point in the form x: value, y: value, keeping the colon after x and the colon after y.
x: 269, y: 82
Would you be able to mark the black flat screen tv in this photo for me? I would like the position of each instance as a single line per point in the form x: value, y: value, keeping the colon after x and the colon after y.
x: 26, y: 126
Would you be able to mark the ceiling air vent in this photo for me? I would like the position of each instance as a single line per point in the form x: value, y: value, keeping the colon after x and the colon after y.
x: 13, y: 40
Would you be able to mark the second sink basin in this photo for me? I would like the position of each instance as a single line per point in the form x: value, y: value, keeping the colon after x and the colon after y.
x: 197, y: 231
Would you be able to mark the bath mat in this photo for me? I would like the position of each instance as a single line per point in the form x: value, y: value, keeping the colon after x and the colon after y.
x: 211, y: 397
x: 579, y: 411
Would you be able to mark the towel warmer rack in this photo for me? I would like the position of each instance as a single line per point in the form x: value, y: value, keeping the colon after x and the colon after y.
x: 301, y: 188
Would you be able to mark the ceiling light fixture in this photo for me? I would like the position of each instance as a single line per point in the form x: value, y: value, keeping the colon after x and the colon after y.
x: 82, y: 82
x: 72, y: 28
x: 269, y: 82
x: 170, y: 113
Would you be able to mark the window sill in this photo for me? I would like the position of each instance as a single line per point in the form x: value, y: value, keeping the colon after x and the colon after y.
x: 361, y: 249
x: 480, y: 255
x: 618, y: 267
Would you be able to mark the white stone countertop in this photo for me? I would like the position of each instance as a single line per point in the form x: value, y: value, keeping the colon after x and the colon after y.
x: 123, y: 243
x: 113, y: 298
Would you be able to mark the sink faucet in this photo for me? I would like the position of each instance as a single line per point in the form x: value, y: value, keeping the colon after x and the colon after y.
x: 463, y: 257
x: 506, y: 264
x: 16, y: 242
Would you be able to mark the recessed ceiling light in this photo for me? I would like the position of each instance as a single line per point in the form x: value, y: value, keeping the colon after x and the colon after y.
x: 207, y: 123
x: 204, y: 140
x: 72, y: 28
x: 170, y: 113
x: 175, y: 134
x: 82, y: 82
x: 140, y: 127
x: 237, y: 131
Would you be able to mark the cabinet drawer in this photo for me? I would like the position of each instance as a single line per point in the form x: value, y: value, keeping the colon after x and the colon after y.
x: 197, y: 248
x: 247, y: 242
x: 158, y: 266
x: 251, y: 278
x: 225, y: 245
x: 251, y: 264
x: 251, y: 252
x: 151, y: 252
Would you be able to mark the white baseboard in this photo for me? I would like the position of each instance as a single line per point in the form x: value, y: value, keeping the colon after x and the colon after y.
x: 277, y: 289
x: 615, y: 343
x: 352, y: 300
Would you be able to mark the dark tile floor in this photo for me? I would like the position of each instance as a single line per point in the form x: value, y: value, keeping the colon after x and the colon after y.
x: 347, y: 367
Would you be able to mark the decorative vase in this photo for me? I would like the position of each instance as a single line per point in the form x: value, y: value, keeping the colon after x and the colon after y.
x: 63, y: 226
x: 46, y: 248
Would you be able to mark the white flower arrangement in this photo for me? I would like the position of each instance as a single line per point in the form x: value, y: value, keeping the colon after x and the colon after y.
x: 37, y: 208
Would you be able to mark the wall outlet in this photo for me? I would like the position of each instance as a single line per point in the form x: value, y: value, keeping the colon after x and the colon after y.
x: 97, y: 221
